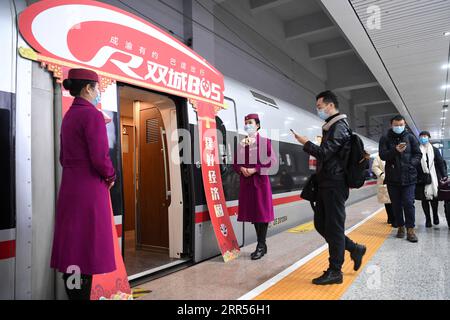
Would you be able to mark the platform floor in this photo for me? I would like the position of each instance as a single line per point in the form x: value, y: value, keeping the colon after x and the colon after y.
x: 406, y: 271
x: 393, y: 268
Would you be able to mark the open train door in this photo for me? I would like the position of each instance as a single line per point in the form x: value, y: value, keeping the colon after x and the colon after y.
x: 122, y: 47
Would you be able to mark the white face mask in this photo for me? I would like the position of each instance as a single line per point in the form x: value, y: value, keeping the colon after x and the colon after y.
x: 97, y: 98
x: 322, y: 114
x: 250, y: 129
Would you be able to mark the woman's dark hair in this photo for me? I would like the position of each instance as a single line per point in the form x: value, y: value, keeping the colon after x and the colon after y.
x: 258, y: 123
x: 425, y: 133
x: 75, y: 85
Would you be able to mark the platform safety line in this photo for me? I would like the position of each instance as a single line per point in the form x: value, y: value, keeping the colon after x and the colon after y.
x: 303, y: 228
x: 271, y: 282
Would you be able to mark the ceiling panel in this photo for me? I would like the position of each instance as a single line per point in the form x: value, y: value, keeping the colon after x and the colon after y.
x: 413, y: 48
x: 295, y: 9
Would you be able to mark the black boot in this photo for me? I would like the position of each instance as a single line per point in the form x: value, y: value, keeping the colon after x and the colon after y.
x: 256, y: 224
x: 357, y: 256
x: 260, y: 251
x: 435, y: 208
x: 428, y: 224
x: 426, y: 211
x: 447, y: 212
x: 435, y: 219
x: 261, y: 248
x: 329, y: 277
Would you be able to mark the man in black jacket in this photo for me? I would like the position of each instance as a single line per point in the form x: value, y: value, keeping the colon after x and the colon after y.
x: 333, y: 191
x: 400, y: 149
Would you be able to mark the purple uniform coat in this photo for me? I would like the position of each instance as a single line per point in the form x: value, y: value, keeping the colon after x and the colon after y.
x: 83, y: 227
x: 255, y: 192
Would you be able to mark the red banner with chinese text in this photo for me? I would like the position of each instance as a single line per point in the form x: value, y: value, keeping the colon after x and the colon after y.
x: 212, y: 182
x: 107, y: 285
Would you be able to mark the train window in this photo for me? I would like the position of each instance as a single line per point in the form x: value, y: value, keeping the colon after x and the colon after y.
x: 227, y: 126
x: 6, y: 214
x: 293, y: 169
x: 221, y: 139
x: 288, y: 159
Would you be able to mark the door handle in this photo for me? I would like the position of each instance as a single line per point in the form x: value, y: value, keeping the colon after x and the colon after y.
x: 166, y: 185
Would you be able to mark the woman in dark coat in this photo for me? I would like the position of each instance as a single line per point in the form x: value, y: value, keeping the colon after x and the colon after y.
x: 253, y: 161
x: 429, y: 172
x: 83, y: 228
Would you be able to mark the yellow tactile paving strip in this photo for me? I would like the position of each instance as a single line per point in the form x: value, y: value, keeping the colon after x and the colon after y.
x: 298, y: 286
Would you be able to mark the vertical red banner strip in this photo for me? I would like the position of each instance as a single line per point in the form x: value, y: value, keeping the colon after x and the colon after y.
x: 212, y: 182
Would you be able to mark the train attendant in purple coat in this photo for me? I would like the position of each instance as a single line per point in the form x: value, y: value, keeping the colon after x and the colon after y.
x: 253, y: 162
x: 83, y: 239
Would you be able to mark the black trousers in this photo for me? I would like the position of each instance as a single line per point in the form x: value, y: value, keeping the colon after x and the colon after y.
x: 329, y: 221
x: 83, y: 292
x: 390, y: 214
x: 402, y: 198
x: 426, y: 208
x: 447, y: 212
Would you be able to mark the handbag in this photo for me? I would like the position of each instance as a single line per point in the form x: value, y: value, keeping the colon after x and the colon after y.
x: 309, y: 191
x: 426, y: 179
x: 444, y: 189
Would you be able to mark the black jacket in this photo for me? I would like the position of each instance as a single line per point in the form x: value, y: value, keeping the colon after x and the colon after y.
x: 329, y: 155
x: 441, y: 172
x: 439, y: 165
x: 401, y: 168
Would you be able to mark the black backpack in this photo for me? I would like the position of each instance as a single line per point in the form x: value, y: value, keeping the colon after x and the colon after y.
x: 356, y: 161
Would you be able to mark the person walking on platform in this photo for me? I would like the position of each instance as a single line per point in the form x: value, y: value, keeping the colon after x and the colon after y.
x: 446, y: 202
x: 253, y: 162
x: 83, y: 238
x: 378, y: 167
x: 333, y: 190
x: 400, y: 149
x: 430, y: 171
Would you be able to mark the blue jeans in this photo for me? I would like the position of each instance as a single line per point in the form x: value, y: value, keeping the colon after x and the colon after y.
x: 402, y: 199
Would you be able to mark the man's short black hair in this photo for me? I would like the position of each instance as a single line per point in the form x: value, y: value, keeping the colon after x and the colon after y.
x: 328, y: 97
x: 398, y: 117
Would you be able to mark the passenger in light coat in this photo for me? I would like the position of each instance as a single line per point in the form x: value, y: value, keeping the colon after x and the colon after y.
x: 378, y: 167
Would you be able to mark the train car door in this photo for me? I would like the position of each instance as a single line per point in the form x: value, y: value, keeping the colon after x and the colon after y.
x: 153, y: 181
x: 154, y: 209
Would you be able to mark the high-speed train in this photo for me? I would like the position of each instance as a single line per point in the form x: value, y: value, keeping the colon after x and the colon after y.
x: 158, y: 203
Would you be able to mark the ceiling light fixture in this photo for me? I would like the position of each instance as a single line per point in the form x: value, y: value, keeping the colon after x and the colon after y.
x: 447, y: 33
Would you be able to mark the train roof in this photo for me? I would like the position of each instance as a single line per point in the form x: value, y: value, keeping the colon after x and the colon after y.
x: 276, y: 113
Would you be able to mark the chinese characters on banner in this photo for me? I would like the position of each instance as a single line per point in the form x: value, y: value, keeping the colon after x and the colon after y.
x: 212, y: 182
x: 119, y: 46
